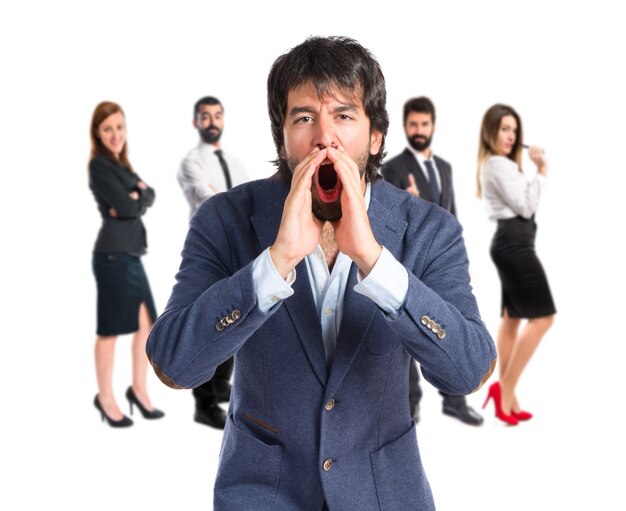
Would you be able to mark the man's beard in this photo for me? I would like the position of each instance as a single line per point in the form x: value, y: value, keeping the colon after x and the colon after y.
x: 210, y: 134
x: 330, y: 211
x: 419, y: 143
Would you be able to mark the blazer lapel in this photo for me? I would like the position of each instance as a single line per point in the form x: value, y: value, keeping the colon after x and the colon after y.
x: 359, y: 311
x: 303, y: 314
x: 301, y: 305
x: 446, y: 185
x: 418, y: 173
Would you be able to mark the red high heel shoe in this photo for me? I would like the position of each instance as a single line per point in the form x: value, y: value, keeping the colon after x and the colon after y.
x: 522, y: 415
x: 495, y: 393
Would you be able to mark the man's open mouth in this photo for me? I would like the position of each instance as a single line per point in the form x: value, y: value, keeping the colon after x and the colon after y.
x: 328, y: 183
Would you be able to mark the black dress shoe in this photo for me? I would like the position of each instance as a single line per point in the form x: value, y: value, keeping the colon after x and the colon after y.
x: 155, y: 413
x: 212, y: 416
x: 458, y: 408
x: 124, y: 422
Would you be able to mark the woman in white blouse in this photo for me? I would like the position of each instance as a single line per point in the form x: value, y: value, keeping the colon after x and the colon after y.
x: 511, y: 200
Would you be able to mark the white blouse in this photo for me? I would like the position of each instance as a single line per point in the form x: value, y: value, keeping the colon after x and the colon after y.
x: 507, y: 192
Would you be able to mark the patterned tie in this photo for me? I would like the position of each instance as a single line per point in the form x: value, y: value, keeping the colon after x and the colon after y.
x: 432, y: 178
x: 224, y: 165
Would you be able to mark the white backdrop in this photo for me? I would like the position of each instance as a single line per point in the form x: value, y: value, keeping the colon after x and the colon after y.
x: 559, y: 66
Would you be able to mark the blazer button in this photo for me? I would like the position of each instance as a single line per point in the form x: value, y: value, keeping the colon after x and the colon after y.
x: 229, y: 319
x: 219, y: 327
x: 424, y: 320
x: 224, y: 321
x: 327, y: 464
x: 436, y: 329
x: 441, y: 334
x: 236, y: 314
x: 330, y: 405
x: 431, y: 324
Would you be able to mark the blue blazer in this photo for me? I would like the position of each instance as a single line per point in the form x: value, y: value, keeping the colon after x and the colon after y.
x: 299, y: 432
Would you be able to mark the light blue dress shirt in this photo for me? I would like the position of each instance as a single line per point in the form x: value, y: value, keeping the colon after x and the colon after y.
x: 386, y: 285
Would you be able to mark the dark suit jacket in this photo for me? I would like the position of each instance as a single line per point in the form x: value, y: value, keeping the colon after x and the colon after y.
x: 111, y: 185
x: 397, y: 170
x: 287, y: 446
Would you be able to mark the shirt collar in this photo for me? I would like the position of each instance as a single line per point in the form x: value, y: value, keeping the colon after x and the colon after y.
x: 419, y: 157
x: 203, y: 146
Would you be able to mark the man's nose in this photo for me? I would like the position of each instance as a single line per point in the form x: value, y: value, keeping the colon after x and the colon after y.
x: 325, y: 135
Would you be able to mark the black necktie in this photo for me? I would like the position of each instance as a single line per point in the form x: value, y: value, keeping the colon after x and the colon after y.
x: 224, y: 165
x: 432, y: 178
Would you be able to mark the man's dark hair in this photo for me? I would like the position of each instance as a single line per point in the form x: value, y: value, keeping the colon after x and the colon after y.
x: 330, y: 64
x: 422, y: 105
x: 206, y: 100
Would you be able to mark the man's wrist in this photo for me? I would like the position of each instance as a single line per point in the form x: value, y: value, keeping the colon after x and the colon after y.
x: 284, y: 266
x: 367, y: 260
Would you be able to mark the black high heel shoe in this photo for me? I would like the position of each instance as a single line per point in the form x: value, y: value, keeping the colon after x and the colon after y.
x: 124, y: 422
x: 147, y: 414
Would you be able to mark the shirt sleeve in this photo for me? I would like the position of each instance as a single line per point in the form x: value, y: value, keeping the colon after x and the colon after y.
x: 269, y: 286
x: 194, y: 182
x: 520, y: 195
x: 386, y: 285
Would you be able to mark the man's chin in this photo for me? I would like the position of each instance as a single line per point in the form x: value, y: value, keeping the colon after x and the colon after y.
x: 210, y: 138
x: 420, y: 145
x: 327, y: 212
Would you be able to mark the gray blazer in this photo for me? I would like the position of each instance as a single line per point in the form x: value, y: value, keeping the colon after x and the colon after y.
x: 397, y: 171
x: 299, y: 432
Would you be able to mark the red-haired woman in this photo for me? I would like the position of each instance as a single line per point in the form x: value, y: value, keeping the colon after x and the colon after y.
x: 125, y: 303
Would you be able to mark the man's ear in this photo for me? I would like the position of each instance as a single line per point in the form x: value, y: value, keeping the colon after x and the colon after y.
x: 281, y: 152
x: 376, y: 140
x: 195, y: 123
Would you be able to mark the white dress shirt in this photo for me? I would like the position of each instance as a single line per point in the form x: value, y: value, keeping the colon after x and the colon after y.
x: 386, y: 285
x: 200, y: 174
x: 507, y: 191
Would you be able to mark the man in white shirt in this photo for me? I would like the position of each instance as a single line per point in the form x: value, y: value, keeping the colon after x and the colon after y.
x: 205, y: 171
x: 202, y: 173
x: 418, y: 171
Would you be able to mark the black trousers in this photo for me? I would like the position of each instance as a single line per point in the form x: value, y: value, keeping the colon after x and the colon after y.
x: 206, y: 394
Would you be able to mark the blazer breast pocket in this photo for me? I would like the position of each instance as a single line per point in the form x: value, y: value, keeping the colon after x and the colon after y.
x: 380, y: 341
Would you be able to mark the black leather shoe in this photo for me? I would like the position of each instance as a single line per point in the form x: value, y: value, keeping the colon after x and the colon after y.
x: 415, y: 412
x: 222, y: 391
x: 124, y: 422
x: 458, y: 408
x: 212, y: 416
x: 155, y: 413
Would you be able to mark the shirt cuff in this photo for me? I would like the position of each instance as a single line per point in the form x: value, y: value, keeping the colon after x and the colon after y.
x: 386, y: 285
x: 269, y: 286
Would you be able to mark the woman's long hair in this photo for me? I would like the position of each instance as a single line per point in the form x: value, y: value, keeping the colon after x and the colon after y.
x: 489, y: 136
x: 102, y: 111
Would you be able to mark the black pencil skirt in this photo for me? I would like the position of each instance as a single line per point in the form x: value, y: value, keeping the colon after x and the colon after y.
x: 122, y: 287
x: 525, y: 289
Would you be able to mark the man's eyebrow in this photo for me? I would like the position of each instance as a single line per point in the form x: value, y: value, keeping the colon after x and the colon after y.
x: 297, y: 110
x: 348, y: 107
